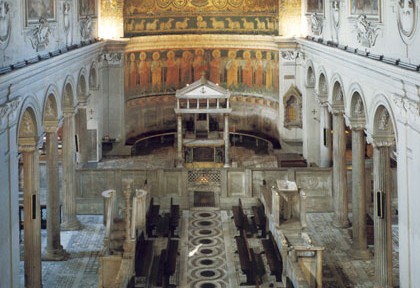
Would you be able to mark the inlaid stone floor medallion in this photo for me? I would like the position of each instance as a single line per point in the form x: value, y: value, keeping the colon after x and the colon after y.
x: 207, y: 267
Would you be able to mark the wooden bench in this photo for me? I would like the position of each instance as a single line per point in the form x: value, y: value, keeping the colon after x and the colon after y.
x: 241, y: 220
x: 259, y: 218
x: 174, y: 218
x: 144, y: 256
x: 251, y: 264
x: 167, y: 262
x: 274, y: 259
x: 152, y: 218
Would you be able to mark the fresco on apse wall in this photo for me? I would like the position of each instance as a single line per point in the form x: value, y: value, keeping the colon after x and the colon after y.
x: 148, y: 17
x: 151, y: 72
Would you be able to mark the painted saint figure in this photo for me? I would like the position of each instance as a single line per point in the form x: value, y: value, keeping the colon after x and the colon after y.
x: 186, y: 76
x: 247, y: 69
x: 143, y: 70
x: 172, y: 74
x: 215, y: 66
x: 269, y: 72
x: 232, y: 69
x: 259, y: 70
x: 133, y: 72
x: 156, y: 68
x: 199, y: 64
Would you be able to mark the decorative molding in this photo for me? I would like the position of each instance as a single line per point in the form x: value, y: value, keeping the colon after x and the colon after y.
x: 335, y: 12
x: 113, y: 58
x: 366, y: 31
x: 68, y: 25
x: 407, y: 19
x: 86, y: 28
x: 39, y: 35
x: 317, y: 23
x: 5, y: 24
x: 289, y: 55
x: 8, y: 111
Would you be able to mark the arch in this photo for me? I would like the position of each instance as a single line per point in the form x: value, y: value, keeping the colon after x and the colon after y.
x: 380, y: 103
x: 29, y: 124
x: 51, y: 108
x: 68, y: 96
x: 322, y: 84
x: 93, y: 76
x: 357, y: 107
x: 82, y: 85
x: 310, y: 79
x: 337, y: 91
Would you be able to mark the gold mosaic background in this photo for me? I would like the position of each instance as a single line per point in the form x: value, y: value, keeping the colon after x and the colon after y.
x: 150, y: 17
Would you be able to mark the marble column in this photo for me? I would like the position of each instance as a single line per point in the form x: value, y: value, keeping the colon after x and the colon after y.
x: 339, y: 171
x: 382, y: 215
x: 128, y: 248
x: 70, y: 221
x: 179, y: 140
x: 54, y: 250
x: 141, y: 196
x: 82, y: 135
x: 32, y: 218
x: 359, y: 194
x: 325, y: 127
x: 226, y: 140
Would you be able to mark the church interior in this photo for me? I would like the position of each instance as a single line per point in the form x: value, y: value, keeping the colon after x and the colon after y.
x: 209, y: 143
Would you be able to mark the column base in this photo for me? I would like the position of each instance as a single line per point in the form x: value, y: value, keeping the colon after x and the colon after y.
x: 71, y: 225
x: 58, y: 254
x: 364, y: 254
x: 341, y: 223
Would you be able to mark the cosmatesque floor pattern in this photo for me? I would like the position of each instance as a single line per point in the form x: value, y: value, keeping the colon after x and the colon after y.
x: 207, y: 253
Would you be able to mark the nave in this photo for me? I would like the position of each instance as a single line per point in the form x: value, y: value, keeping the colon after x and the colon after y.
x: 215, y: 263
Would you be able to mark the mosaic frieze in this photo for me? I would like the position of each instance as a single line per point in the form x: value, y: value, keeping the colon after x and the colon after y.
x: 205, y: 16
x: 165, y: 71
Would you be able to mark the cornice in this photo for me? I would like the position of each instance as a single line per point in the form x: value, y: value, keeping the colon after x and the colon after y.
x: 203, y: 41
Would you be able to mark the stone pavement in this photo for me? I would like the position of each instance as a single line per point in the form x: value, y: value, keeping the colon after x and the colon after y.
x: 81, y: 269
x: 84, y: 246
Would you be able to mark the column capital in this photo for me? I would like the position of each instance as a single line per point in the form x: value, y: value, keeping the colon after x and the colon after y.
x: 383, y: 142
x: 336, y: 109
x: 68, y: 112
x: 28, y: 148
x: 50, y: 126
x: 322, y: 99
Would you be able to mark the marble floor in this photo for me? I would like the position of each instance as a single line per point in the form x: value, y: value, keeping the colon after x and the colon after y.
x: 214, y: 264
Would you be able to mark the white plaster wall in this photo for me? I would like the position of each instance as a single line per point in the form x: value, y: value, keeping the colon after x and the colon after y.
x: 389, y: 41
x: 19, y: 47
x: 9, y: 221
